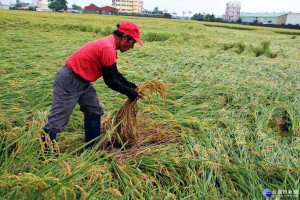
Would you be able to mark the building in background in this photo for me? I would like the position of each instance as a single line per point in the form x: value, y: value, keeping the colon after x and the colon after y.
x: 106, y: 10
x: 91, y: 9
x: 42, y: 5
x: 128, y: 6
x: 289, y: 19
x: 141, y: 6
x: 232, y: 12
x: 261, y: 18
x: 4, y: 7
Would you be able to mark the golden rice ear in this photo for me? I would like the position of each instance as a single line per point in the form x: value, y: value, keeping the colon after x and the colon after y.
x: 127, y: 115
x: 154, y: 85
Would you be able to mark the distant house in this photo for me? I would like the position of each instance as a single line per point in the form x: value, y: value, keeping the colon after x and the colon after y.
x: 21, y: 6
x: 289, y: 18
x: 42, y: 5
x: 107, y: 10
x: 261, y: 18
x: 5, y: 7
x: 91, y: 9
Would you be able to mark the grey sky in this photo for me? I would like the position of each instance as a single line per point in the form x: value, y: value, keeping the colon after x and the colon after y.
x: 208, y: 6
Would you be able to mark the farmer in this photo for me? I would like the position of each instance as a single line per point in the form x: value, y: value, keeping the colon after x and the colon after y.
x: 72, y: 82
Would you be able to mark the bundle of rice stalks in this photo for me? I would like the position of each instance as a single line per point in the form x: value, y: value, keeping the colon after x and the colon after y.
x: 133, y: 128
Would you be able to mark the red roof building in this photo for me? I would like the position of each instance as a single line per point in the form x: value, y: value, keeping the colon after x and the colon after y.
x: 106, y: 10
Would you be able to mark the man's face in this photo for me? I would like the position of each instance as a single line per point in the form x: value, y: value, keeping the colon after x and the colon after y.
x: 126, y: 44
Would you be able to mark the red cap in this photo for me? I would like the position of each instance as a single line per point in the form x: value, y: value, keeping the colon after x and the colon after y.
x: 131, y: 29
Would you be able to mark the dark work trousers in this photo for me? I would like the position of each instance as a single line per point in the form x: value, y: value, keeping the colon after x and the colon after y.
x: 68, y: 89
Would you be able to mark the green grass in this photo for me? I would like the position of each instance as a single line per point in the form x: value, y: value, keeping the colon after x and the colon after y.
x: 238, y: 114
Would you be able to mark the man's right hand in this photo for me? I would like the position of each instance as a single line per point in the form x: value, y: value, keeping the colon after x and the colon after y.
x: 141, y: 95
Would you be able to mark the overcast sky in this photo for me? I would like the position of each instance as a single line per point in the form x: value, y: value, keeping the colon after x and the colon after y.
x: 216, y: 7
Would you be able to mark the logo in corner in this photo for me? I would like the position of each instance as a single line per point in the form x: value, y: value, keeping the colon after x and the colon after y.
x: 267, y: 193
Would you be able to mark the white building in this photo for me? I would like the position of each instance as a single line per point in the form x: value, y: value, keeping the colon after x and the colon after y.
x: 141, y: 6
x: 2, y: 6
x: 289, y: 18
x: 42, y: 5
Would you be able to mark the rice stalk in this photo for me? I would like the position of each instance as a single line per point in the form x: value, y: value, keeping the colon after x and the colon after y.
x: 129, y: 120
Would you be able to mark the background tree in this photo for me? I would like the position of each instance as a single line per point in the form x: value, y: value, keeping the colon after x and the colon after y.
x: 198, y: 17
x: 183, y: 13
x: 209, y: 17
x: 76, y: 7
x: 206, y: 17
x: 33, y: 8
x: 156, y: 10
x: 92, y: 4
x: 57, y: 5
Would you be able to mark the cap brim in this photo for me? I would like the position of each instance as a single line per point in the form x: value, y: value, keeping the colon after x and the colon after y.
x: 138, y: 41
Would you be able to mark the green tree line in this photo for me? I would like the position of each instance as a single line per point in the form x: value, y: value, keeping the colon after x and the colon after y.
x: 57, y: 5
x: 206, y: 17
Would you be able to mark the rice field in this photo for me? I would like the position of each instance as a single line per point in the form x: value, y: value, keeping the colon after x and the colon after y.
x: 228, y: 129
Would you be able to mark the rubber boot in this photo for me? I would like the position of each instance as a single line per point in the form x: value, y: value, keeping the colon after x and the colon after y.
x: 52, y: 135
x: 92, y: 128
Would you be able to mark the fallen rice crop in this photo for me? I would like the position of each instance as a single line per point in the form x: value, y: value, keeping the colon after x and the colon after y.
x: 133, y: 128
x: 228, y: 128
